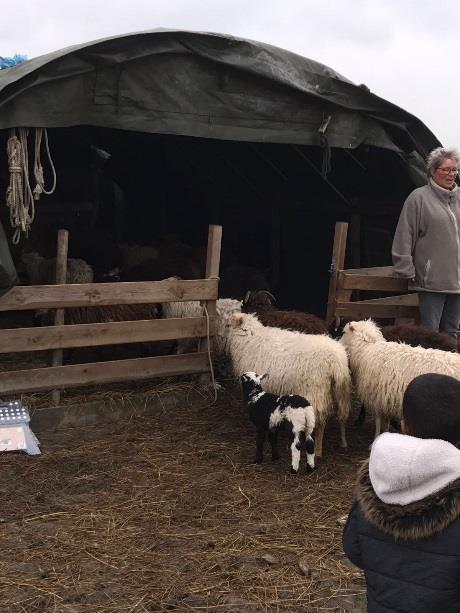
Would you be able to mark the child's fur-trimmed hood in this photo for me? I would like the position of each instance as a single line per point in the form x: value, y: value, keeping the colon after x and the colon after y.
x: 417, y: 520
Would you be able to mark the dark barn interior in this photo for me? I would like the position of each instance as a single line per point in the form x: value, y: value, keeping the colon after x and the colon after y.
x: 276, y: 209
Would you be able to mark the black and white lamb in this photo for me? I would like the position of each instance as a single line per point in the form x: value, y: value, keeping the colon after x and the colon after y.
x: 269, y: 411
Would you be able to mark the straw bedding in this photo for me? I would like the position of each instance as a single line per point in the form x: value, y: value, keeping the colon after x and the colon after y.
x: 168, y: 513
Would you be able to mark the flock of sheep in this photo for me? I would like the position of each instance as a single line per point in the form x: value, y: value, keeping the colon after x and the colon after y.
x: 294, y: 351
x: 332, y: 374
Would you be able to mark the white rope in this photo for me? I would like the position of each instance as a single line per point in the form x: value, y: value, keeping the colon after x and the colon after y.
x: 208, y: 337
x: 19, y: 197
x: 38, y: 168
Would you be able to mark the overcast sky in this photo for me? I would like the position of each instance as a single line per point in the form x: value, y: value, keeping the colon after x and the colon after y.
x: 404, y: 50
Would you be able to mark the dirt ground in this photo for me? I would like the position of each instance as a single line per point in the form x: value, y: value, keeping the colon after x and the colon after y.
x: 169, y: 513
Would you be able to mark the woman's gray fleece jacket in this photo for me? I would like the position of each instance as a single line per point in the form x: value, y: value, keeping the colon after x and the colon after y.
x: 426, y: 245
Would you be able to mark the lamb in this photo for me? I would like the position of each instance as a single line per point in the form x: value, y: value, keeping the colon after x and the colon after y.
x: 260, y: 303
x: 313, y: 366
x: 383, y: 369
x: 269, y: 411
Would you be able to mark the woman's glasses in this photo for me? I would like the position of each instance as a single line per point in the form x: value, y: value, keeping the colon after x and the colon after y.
x: 448, y: 171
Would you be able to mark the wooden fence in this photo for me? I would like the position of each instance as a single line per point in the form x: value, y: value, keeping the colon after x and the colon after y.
x: 383, y: 280
x: 90, y: 335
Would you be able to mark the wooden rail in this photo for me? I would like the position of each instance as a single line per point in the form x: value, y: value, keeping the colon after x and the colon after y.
x: 29, y: 297
x: 379, y: 279
x: 62, y: 336
x: 76, y: 375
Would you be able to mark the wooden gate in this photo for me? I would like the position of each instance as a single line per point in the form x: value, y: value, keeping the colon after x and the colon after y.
x: 403, y: 305
x: 59, y: 337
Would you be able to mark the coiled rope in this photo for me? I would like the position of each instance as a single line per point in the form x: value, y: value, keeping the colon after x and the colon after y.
x: 20, y: 199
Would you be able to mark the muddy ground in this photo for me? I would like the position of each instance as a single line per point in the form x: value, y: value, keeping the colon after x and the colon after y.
x: 168, y: 513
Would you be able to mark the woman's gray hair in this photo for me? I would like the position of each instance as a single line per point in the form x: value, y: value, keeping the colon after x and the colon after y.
x: 437, y: 156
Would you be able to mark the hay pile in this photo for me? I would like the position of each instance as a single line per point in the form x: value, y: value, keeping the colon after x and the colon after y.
x: 168, y: 513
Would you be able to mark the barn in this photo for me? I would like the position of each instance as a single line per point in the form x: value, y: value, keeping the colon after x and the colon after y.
x: 165, y: 132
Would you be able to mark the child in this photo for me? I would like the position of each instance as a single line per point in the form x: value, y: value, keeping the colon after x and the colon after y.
x: 404, y: 528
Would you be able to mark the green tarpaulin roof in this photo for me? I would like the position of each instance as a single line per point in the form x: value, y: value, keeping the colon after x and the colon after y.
x: 203, y: 85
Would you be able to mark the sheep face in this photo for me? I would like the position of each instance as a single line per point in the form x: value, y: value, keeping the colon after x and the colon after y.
x: 361, y: 331
x: 241, y: 324
x: 258, y: 300
x: 253, y: 377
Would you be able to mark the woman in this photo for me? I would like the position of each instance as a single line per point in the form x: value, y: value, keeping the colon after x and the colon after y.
x: 426, y: 245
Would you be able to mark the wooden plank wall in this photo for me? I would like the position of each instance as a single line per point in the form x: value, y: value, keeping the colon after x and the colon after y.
x: 62, y: 336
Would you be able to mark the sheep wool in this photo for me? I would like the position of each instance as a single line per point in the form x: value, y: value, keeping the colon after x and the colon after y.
x: 383, y: 369
x: 312, y: 366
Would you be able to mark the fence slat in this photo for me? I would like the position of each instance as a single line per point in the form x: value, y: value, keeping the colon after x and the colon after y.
x: 371, y: 282
x: 60, y: 377
x: 92, y: 335
x: 362, y: 310
x: 22, y: 297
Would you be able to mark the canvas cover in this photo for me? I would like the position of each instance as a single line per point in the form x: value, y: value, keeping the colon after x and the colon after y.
x: 204, y: 85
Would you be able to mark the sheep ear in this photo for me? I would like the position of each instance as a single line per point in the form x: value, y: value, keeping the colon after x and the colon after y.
x: 246, y: 297
x: 264, y: 376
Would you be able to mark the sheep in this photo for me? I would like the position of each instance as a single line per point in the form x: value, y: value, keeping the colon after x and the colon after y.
x: 411, y: 334
x: 193, y: 308
x: 383, y: 369
x: 161, y: 268
x: 417, y: 335
x: 260, y: 303
x: 313, y: 366
x: 135, y: 254
x: 42, y: 271
x: 268, y: 412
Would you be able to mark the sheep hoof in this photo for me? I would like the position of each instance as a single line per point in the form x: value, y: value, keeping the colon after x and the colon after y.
x: 275, y: 458
x: 258, y: 461
x: 293, y: 471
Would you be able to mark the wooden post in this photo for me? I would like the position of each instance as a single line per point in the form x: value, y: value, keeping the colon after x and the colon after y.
x: 338, y: 262
x: 61, y: 277
x: 212, y: 270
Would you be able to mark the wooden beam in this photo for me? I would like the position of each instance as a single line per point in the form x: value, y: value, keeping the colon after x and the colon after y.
x: 362, y: 310
x: 61, y: 278
x: 61, y: 377
x: 376, y: 271
x: 25, y: 297
x: 405, y: 300
x: 337, y: 264
x: 92, y: 335
x: 376, y: 283
x: 212, y: 271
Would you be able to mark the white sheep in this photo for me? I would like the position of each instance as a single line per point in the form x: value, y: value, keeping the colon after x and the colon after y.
x: 312, y: 366
x: 382, y: 370
x: 193, y: 308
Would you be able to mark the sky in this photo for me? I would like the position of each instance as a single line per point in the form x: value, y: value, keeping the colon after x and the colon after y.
x: 405, y: 51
